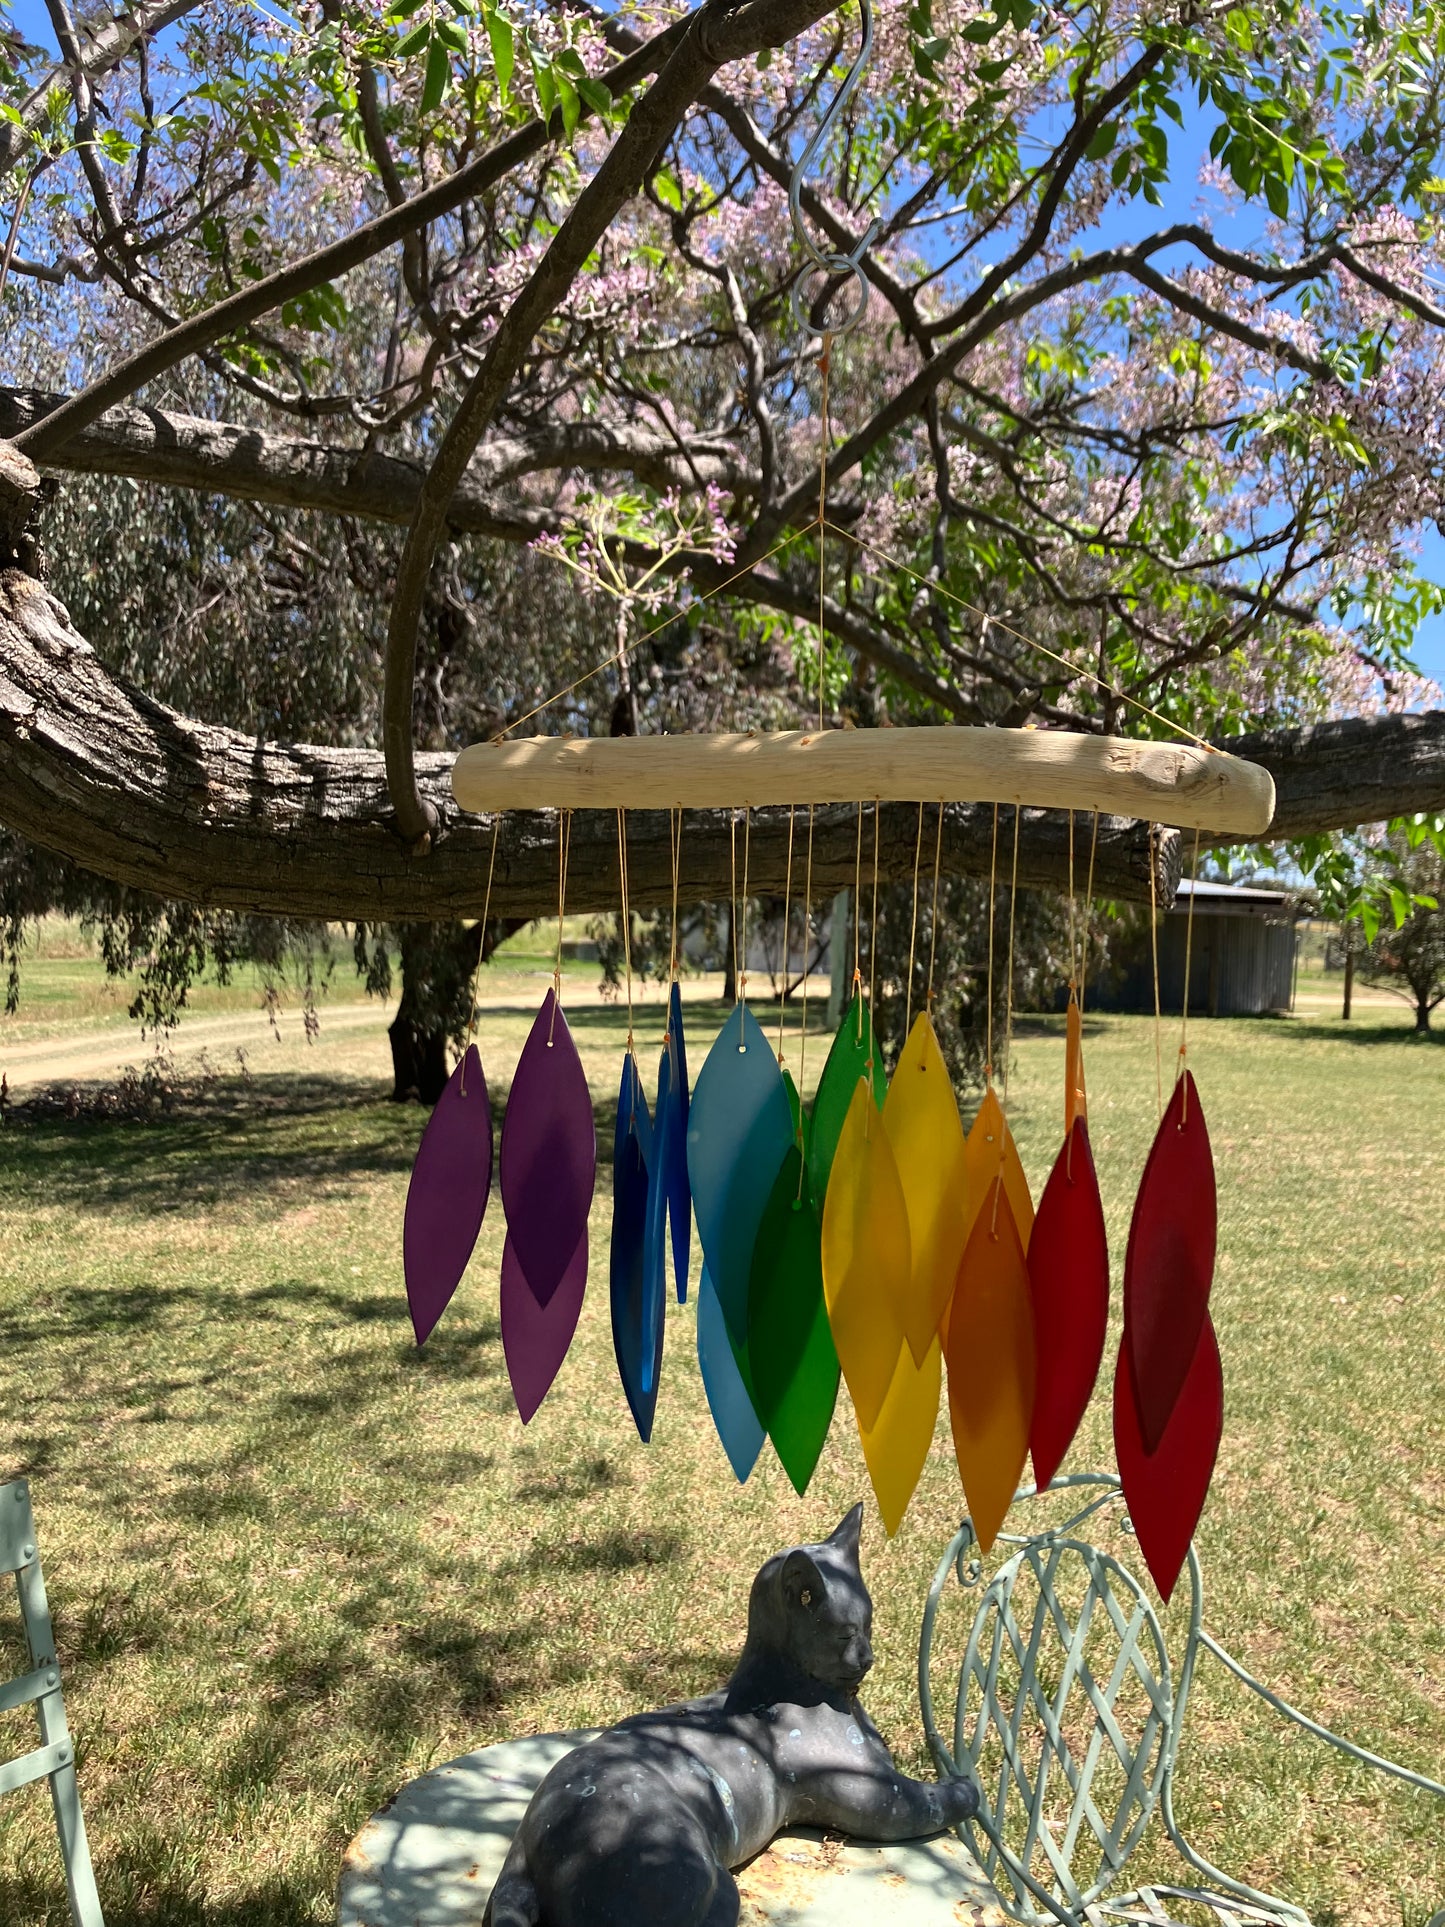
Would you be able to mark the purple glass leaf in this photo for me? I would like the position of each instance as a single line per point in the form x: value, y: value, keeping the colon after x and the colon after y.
x: 535, y: 1338
x: 549, y: 1153
x: 739, y: 1130
x: 679, y: 1191
x: 447, y: 1197
x: 636, y: 1342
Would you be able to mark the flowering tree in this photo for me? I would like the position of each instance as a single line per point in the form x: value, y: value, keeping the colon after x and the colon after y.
x: 448, y: 266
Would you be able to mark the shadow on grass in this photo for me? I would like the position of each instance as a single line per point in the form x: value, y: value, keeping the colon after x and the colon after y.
x: 129, y: 1899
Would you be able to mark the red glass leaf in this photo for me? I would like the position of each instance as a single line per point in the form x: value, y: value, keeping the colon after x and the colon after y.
x: 536, y: 1338
x: 549, y: 1153
x: 1165, y: 1490
x: 1068, y: 1261
x: 447, y: 1197
x: 1170, y: 1261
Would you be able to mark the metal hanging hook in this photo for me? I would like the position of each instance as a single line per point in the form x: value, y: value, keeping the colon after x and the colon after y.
x: 821, y: 260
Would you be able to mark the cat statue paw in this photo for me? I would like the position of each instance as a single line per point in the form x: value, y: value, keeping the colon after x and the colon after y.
x: 643, y: 1824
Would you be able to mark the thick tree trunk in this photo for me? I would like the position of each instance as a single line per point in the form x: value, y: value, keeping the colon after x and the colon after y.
x: 1423, y: 1007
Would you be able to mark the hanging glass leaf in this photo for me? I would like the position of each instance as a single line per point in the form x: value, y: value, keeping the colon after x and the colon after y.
x: 447, y: 1196
x: 1075, y: 1101
x: 655, y: 1246
x: 549, y: 1153
x: 1169, y: 1265
x: 727, y: 1393
x: 536, y: 1338
x: 786, y: 1287
x: 636, y: 1342
x: 867, y: 1263
x: 739, y: 1128
x: 1068, y: 1260
x: 988, y: 1150
x: 921, y: 1118
x: 1165, y: 1490
x: 991, y: 1364
x: 849, y: 1058
x: 679, y: 1194
x: 805, y: 1411
x: 896, y: 1449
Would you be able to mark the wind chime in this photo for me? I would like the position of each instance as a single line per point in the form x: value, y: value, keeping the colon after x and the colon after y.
x: 867, y: 1238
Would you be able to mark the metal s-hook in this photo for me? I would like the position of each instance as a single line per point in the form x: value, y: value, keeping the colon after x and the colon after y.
x: 823, y: 262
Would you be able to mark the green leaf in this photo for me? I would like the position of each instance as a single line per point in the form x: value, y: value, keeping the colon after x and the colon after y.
x: 596, y: 96
x: 1399, y: 904
x: 1103, y: 141
x: 418, y: 38
x: 504, y: 49
x: 666, y: 187
x: 438, y: 72
x: 545, y: 84
x: 568, y: 101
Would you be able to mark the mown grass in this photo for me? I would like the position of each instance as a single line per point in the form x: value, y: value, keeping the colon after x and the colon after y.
x: 293, y: 1562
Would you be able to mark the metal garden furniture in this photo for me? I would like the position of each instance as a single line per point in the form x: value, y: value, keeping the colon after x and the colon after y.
x: 1070, y: 1716
x: 54, y: 1758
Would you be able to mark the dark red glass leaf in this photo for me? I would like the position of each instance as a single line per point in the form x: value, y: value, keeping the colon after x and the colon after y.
x: 535, y: 1338
x: 549, y: 1153
x: 1068, y: 1259
x: 447, y: 1197
x: 1165, y: 1490
x: 1169, y: 1265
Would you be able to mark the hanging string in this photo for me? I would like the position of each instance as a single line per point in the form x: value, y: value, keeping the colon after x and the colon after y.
x: 481, y: 946
x: 626, y: 920
x: 1073, y: 955
x: 807, y: 933
x: 825, y: 362
x: 1188, y: 957
x: 743, y: 955
x: 564, y: 850
x: 933, y: 916
x: 675, y: 839
x: 869, y: 1062
x: 858, y: 920
x: 733, y: 891
x: 1088, y: 915
x: 913, y: 926
x: 1013, y: 897
x: 1154, y: 953
x: 988, y: 1017
x: 787, y: 935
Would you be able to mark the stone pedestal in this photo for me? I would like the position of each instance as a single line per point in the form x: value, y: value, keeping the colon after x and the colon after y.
x: 432, y: 1855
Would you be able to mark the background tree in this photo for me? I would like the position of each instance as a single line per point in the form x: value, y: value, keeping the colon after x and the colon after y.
x: 1406, y: 954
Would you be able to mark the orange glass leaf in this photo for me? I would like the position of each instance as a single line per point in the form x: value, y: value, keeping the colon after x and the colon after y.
x: 1076, y: 1103
x: 921, y: 1118
x: 1169, y: 1265
x: 896, y: 1448
x: 866, y: 1260
x: 1068, y: 1262
x: 991, y: 1364
x: 989, y: 1150
x: 1165, y: 1489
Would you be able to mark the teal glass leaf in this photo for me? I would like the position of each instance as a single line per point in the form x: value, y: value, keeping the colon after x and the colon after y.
x: 727, y: 1393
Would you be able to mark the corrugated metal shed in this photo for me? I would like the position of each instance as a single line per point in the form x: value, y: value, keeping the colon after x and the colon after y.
x: 1241, y: 959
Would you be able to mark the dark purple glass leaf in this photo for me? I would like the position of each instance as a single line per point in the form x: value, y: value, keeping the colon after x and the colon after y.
x: 636, y: 1341
x: 447, y: 1197
x: 679, y: 1192
x: 549, y: 1153
x: 1169, y: 1263
x: 535, y: 1338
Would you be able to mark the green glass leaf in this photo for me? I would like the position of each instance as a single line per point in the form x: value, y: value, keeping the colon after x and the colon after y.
x: 793, y: 1365
x: 849, y: 1059
x: 800, y: 1424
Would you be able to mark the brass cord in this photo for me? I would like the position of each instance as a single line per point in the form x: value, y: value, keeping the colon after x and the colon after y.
x: 913, y: 925
x: 564, y: 847
x: 787, y: 935
x: 988, y: 1014
x: 933, y: 916
x: 1013, y: 898
x: 1188, y: 963
x: 626, y: 920
x: 1154, y: 954
x: 481, y: 946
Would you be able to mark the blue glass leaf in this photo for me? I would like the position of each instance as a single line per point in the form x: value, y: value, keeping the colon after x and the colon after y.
x: 636, y: 1342
x: 727, y: 1394
x: 739, y: 1130
x: 654, y: 1250
x: 679, y: 1192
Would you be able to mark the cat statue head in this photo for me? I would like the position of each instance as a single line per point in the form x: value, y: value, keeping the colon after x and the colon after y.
x: 810, y: 1612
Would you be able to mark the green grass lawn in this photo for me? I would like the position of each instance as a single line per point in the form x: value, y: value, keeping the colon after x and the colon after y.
x: 293, y: 1562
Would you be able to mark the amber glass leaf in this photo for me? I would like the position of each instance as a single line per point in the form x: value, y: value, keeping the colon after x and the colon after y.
x: 867, y: 1265
x: 921, y: 1118
x: 989, y: 1150
x: 896, y: 1449
x: 991, y: 1364
x: 849, y: 1058
x: 1165, y: 1490
x: 1169, y: 1265
x: 1068, y: 1261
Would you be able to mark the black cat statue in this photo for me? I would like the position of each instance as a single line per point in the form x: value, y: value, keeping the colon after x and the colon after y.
x: 639, y: 1827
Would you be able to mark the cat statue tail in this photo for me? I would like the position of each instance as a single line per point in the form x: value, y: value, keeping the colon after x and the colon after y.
x: 514, y: 1901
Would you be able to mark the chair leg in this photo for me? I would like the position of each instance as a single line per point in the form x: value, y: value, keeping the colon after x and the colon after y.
x: 75, y: 1848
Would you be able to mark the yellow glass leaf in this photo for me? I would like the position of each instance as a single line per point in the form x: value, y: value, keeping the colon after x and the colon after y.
x: 896, y: 1448
x: 866, y: 1266
x: 989, y: 1151
x: 991, y: 1364
x: 921, y: 1118
x: 1076, y: 1104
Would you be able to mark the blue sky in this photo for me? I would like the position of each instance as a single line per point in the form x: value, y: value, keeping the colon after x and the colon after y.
x: 1189, y: 145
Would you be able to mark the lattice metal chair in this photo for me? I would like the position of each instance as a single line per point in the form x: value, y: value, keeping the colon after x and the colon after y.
x: 54, y: 1758
x: 1070, y: 1717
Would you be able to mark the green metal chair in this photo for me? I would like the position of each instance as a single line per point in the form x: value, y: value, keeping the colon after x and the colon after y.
x: 54, y: 1758
x: 1070, y: 1717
